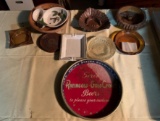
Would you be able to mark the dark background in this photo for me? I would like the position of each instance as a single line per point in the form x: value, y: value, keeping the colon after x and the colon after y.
x: 83, y: 4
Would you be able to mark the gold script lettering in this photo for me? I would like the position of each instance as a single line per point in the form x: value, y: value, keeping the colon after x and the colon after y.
x: 101, y: 85
x: 86, y: 92
x: 70, y: 85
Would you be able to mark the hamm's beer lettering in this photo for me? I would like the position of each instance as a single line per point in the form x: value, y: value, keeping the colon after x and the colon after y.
x: 93, y: 84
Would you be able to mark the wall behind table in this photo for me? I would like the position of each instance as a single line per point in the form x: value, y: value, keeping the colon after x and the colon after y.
x: 4, y: 6
x: 139, y: 3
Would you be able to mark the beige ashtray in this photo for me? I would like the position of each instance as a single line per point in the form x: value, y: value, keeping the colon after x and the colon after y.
x: 101, y: 48
x: 20, y: 37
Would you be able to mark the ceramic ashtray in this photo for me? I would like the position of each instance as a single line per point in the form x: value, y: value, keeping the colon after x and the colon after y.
x: 91, y: 89
x: 93, y: 20
x: 131, y: 18
x: 20, y: 37
x: 52, y: 17
x: 59, y: 18
x: 128, y: 42
x: 100, y: 47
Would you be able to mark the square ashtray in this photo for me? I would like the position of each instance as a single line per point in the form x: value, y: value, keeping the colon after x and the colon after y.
x: 20, y: 37
x: 73, y: 47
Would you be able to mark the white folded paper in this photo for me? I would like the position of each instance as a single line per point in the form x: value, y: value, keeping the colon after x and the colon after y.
x: 129, y: 47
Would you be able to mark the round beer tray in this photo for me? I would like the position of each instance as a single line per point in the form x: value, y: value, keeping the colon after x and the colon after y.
x: 91, y: 89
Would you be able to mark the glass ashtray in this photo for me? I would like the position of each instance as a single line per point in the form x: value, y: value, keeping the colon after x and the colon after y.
x: 20, y: 37
x: 101, y: 48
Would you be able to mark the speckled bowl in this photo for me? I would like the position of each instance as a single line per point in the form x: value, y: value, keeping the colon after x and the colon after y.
x: 130, y: 18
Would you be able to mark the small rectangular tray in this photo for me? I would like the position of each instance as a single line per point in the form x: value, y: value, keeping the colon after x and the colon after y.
x: 73, y: 47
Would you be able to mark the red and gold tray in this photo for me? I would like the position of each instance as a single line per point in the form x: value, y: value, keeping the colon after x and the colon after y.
x: 91, y: 89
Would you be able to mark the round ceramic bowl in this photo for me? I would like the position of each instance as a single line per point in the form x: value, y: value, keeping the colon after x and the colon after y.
x: 36, y: 18
x: 131, y: 18
x: 128, y: 42
x: 101, y: 48
x: 93, y: 20
x: 91, y: 89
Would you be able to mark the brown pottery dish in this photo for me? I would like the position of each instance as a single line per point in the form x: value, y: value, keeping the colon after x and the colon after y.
x: 131, y: 18
x: 93, y: 20
x: 49, y: 42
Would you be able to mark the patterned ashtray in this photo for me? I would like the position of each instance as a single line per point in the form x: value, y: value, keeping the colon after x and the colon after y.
x: 20, y: 37
x: 131, y: 18
x: 93, y: 20
x: 128, y: 42
x: 101, y: 48
x: 91, y: 89
x: 49, y: 42
x: 48, y: 17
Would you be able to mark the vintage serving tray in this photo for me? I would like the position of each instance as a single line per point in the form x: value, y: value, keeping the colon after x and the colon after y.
x: 91, y: 89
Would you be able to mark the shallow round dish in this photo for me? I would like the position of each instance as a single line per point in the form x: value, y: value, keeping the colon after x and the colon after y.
x: 131, y: 18
x: 101, y: 48
x: 93, y: 20
x: 45, y: 29
x: 49, y: 42
x: 91, y: 89
x: 128, y: 42
x: 55, y: 17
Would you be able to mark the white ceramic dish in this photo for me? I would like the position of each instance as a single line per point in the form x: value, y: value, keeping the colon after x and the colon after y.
x: 55, y: 17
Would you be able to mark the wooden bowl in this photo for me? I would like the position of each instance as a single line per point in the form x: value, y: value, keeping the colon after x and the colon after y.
x: 45, y: 29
